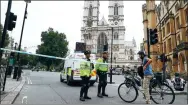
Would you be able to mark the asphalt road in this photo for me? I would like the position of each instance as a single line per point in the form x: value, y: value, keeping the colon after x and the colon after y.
x: 46, y: 88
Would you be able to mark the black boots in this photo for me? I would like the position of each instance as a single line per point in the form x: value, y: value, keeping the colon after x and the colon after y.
x: 86, y: 97
x: 82, y: 99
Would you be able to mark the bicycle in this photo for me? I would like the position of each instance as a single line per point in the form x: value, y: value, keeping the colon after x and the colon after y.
x: 131, y: 81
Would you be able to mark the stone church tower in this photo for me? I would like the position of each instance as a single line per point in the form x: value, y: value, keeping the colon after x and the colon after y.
x: 97, y: 33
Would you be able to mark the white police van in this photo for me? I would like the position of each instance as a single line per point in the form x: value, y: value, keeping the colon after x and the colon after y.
x: 71, y: 70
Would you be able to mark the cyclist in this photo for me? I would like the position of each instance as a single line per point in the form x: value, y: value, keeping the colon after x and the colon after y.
x: 148, y: 74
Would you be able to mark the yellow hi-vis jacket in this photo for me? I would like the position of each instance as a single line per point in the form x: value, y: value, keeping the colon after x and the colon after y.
x: 85, y: 69
x: 101, y: 67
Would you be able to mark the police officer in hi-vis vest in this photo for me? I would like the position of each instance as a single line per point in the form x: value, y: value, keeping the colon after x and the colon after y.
x: 102, y: 73
x: 85, y: 71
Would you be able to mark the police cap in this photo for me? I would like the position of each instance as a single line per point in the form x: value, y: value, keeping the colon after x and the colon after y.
x: 105, y: 52
x: 87, y: 52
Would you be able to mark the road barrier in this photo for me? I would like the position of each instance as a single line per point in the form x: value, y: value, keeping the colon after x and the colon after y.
x: 2, y: 78
x: 53, y: 57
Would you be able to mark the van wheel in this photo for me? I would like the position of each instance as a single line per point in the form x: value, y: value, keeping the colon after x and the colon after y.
x: 61, y: 80
x: 68, y: 81
x: 92, y: 83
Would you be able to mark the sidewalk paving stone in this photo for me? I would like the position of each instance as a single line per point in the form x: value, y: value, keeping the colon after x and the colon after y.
x: 12, y: 89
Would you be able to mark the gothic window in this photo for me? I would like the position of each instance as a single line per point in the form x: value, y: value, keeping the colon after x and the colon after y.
x: 125, y: 52
x: 102, y: 22
x: 90, y: 11
x: 116, y: 9
x: 116, y: 36
x: 131, y: 52
x: 89, y: 36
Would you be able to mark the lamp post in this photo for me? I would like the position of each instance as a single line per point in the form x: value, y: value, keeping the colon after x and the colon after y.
x: 111, y: 52
x: 17, y: 67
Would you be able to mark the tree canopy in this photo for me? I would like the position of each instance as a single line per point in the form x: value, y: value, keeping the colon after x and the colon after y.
x: 53, y: 44
x: 6, y: 38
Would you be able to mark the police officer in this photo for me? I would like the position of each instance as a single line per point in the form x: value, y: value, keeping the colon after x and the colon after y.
x: 102, y: 73
x: 85, y: 72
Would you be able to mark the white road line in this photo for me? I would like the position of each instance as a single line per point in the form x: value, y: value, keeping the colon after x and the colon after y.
x: 28, y: 80
x: 25, y: 97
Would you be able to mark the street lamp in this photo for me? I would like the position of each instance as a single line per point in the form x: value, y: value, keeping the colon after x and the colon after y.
x: 18, y: 55
x: 112, y: 27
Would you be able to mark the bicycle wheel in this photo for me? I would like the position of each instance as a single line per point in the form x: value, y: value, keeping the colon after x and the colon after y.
x: 130, y: 87
x: 161, y: 92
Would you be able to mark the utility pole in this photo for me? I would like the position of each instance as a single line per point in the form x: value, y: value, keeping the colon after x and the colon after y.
x: 111, y: 56
x: 17, y: 70
x: 148, y: 42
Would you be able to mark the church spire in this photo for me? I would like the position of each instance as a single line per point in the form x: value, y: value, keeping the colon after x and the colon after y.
x: 91, y: 13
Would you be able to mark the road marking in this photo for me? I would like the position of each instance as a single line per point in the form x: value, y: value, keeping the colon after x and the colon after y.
x: 28, y: 80
x: 25, y: 97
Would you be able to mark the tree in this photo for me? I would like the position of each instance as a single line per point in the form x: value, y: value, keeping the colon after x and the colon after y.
x: 6, y: 38
x: 53, y: 44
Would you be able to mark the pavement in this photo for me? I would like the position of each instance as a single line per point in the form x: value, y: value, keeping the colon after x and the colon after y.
x: 12, y: 89
x: 45, y: 88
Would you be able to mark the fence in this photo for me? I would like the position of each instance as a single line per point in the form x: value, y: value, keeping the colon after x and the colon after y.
x: 2, y: 78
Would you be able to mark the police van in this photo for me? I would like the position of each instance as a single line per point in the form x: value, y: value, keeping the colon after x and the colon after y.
x: 71, y: 70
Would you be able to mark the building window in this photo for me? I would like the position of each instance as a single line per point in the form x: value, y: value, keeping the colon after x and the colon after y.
x: 185, y: 1
x: 177, y: 23
x: 90, y: 11
x: 163, y: 32
x: 170, y: 45
x: 186, y: 14
x: 164, y: 47
x: 116, y: 37
x: 168, y: 28
x: 116, y: 9
x: 178, y: 39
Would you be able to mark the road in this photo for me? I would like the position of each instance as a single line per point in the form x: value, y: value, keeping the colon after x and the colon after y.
x: 46, y: 88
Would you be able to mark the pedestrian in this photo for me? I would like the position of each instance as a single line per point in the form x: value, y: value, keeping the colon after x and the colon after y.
x: 102, y: 73
x: 148, y: 74
x: 85, y: 71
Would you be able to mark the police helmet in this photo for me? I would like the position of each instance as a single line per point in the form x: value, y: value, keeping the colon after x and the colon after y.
x: 87, y: 52
x: 141, y: 53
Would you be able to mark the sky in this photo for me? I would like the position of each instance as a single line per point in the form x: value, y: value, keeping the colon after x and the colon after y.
x: 66, y: 17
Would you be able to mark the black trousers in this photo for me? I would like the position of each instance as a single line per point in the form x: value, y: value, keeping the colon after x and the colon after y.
x: 85, y: 86
x: 102, y: 82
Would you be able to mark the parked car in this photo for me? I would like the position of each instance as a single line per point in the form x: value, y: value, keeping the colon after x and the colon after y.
x: 118, y: 71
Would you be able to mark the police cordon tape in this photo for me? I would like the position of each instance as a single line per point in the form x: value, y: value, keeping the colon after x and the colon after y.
x: 53, y: 57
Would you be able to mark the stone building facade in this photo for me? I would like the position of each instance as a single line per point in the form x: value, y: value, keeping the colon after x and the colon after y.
x: 170, y: 17
x: 97, y: 33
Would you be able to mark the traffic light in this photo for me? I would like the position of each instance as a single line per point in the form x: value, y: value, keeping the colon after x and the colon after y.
x: 153, y: 36
x: 12, y: 21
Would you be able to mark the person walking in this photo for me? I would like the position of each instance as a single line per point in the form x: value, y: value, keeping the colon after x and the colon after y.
x: 85, y: 71
x: 102, y: 73
x: 148, y: 74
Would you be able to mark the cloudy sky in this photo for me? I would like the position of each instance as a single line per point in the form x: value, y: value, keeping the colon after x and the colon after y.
x: 66, y: 17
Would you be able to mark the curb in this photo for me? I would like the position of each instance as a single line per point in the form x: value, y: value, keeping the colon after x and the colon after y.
x: 10, y: 98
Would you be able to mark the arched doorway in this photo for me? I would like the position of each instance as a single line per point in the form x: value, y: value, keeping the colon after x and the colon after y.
x: 101, y: 41
x: 181, y: 63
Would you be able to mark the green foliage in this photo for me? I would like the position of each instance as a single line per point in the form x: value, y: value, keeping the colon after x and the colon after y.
x: 6, y: 38
x: 53, y: 44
